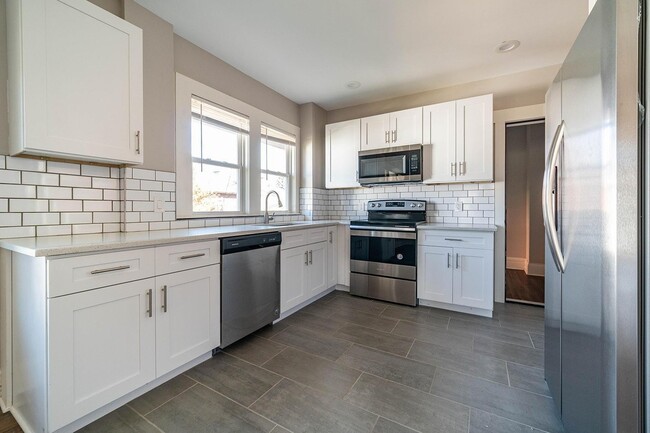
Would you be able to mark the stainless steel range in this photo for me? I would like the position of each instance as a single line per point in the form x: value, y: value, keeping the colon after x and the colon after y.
x: 383, y: 251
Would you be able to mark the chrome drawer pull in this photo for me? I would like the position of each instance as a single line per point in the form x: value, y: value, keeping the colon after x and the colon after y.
x: 192, y: 256
x: 448, y: 260
x: 453, y: 239
x: 116, y: 268
x: 164, y: 293
x: 150, y: 309
x: 306, y: 257
x: 457, y: 261
x: 310, y: 257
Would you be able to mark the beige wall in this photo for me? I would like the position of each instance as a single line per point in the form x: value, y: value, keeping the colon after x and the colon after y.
x: 4, y: 126
x: 312, y: 145
x: 116, y: 7
x: 510, y: 91
x: 202, y: 66
x: 524, y: 171
x: 159, y: 87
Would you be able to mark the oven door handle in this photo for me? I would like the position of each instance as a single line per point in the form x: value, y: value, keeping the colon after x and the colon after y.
x: 383, y: 228
x: 383, y: 234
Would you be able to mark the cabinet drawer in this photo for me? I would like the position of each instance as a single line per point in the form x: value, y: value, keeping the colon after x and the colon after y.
x: 294, y: 238
x: 464, y: 239
x: 174, y: 258
x: 75, y: 274
x: 318, y: 235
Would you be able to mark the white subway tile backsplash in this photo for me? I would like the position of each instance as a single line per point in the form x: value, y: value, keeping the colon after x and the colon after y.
x: 9, y: 176
x: 34, y: 178
x: 57, y: 230
x: 111, y: 194
x: 87, y: 194
x: 139, y: 173
x: 28, y: 205
x: 106, y: 183
x: 2, y: 161
x: 76, y: 218
x: 151, y: 185
x: 80, y: 229
x: 97, y: 206
x: 166, y: 176
x: 54, y: 192
x: 10, y: 219
x: 65, y: 206
x: 95, y: 171
x: 40, y: 218
x: 76, y: 181
x: 17, y: 232
x: 4, y: 205
x: 25, y: 164
x: 17, y: 191
x: 63, y: 167
x: 106, y: 217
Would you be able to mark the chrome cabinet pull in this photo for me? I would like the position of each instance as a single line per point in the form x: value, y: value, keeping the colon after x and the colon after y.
x: 137, y: 142
x: 306, y: 258
x: 331, y: 233
x: 150, y: 309
x: 164, y: 303
x: 457, y: 261
x: 453, y: 239
x: 448, y: 260
x: 547, y: 199
x: 116, y: 268
x: 394, y: 135
x: 386, y: 135
x: 310, y: 257
x: 453, y: 169
x: 192, y: 256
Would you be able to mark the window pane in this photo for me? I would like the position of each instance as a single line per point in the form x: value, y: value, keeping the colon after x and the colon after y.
x: 277, y: 157
x: 215, y: 189
x: 279, y: 184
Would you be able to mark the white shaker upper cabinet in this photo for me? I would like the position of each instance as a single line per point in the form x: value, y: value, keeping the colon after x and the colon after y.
x: 75, y: 82
x: 406, y: 127
x: 474, y: 139
x: 375, y: 132
x: 342, y: 154
x: 439, y: 143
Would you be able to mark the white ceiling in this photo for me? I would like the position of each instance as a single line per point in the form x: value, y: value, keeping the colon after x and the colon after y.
x: 308, y: 50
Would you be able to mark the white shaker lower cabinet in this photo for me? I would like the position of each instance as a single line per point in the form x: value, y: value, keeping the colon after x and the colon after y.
x: 187, y: 317
x: 102, y: 346
x: 304, y: 269
x: 456, y: 270
x: 118, y: 322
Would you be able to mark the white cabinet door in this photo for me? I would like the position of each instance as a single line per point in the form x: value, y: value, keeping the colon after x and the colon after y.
x: 293, y: 277
x: 101, y: 346
x: 474, y: 139
x: 342, y: 154
x: 375, y: 132
x: 76, y: 81
x: 317, y: 269
x: 332, y: 259
x: 473, y: 278
x: 406, y: 127
x: 439, y: 143
x: 187, y: 317
x: 435, y: 273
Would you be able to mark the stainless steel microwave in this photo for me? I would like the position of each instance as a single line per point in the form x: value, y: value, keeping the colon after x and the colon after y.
x: 391, y: 165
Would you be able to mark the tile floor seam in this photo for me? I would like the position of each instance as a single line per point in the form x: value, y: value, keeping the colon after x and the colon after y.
x: 167, y: 401
x: 313, y: 354
x: 271, y: 358
x: 531, y: 340
x: 409, y: 351
x: 145, y: 419
x: 239, y: 404
x: 508, y: 375
x: 391, y: 331
x: 266, y: 392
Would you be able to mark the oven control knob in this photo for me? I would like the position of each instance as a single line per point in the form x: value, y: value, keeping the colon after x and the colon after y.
x: 420, y: 205
x: 372, y: 205
x: 378, y: 204
x: 412, y: 204
x: 400, y: 256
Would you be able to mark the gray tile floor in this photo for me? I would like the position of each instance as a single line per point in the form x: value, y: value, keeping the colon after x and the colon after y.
x: 347, y: 364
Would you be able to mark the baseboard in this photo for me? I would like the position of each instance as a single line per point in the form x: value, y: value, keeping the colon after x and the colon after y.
x: 342, y: 288
x: 458, y: 308
x: 302, y: 305
x: 535, y: 269
x: 517, y: 263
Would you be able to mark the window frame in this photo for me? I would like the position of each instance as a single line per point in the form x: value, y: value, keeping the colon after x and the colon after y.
x: 291, y: 174
x: 186, y: 88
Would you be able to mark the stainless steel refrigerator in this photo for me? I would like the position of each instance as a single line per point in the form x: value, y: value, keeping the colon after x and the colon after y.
x: 591, y: 213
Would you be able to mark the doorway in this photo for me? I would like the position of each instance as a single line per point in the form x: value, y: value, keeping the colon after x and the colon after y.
x: 524, y: 224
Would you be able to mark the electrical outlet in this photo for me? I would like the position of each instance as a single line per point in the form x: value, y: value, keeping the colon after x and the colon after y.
x: 159, y: 205
x: 458, y: 206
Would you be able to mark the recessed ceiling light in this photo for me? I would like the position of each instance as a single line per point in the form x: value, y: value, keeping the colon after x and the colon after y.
x: 353, y: 85
x: 507, y: 46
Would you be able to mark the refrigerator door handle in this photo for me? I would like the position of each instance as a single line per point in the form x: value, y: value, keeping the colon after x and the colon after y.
x: 547, y: 199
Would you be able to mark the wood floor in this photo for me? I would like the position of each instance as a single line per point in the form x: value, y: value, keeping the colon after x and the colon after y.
x: 8, y: 424
x: 520, y: 286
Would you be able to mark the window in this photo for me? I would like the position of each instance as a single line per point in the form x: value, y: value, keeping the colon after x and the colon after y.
x: 229, y: 154
x: 278, y: 166
x: 219, y: 139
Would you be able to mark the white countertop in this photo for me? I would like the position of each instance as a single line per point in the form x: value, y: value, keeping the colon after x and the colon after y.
x: 77, y: 244
x: 459, y: 227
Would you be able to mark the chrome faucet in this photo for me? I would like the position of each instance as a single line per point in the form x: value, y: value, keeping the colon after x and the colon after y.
x: 268, y: 219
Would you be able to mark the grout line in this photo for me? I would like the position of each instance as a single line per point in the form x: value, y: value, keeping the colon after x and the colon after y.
x: 143, y: 417
x: 508, y: 374
x: 531, y: 340
x: 167, y: 401
x: 396, y: 323
x: 272, y: 358
x: 409, y: 351
x: 266, y: 392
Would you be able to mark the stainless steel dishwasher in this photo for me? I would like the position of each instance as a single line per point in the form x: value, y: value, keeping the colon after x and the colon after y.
x: 250, y: 284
